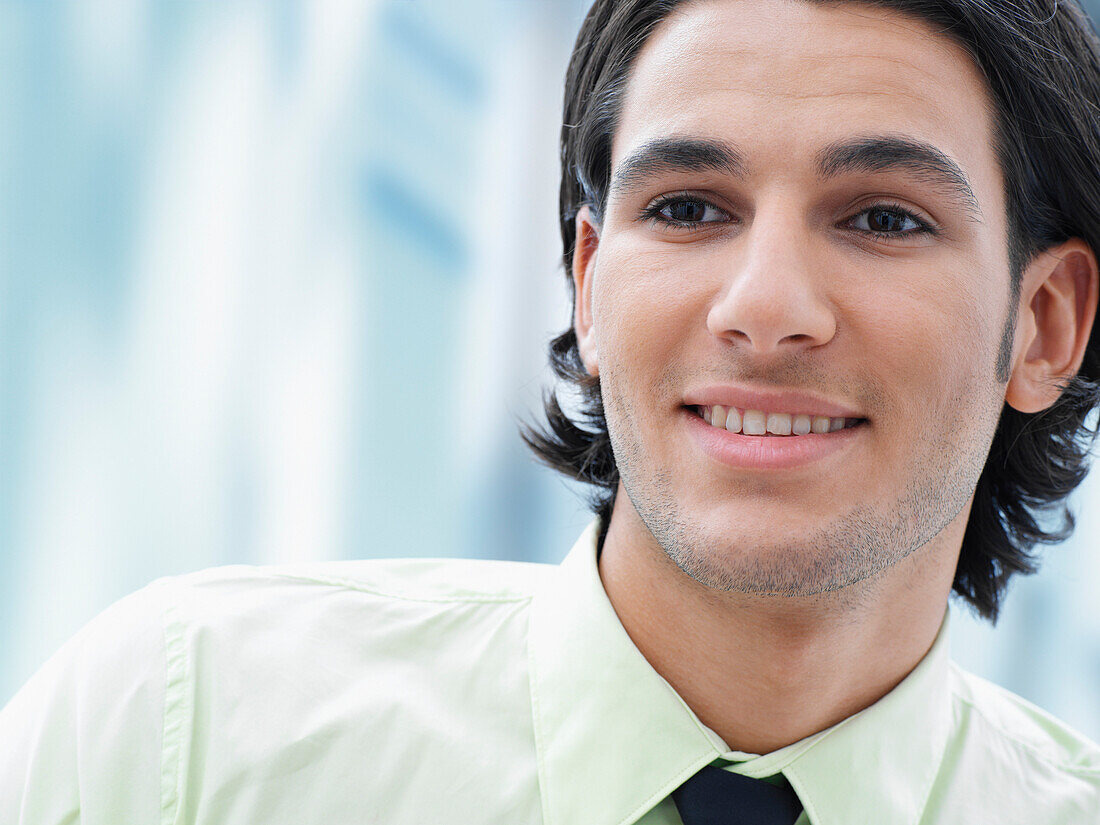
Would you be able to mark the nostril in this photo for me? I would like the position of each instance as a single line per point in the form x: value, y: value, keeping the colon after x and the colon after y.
x: 797, y: 339
x: 738, y: 335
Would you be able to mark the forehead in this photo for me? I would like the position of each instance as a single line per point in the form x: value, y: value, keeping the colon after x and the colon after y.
x: 781, y: 78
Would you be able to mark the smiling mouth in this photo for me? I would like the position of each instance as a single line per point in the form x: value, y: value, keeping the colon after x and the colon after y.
x: 761, y: 423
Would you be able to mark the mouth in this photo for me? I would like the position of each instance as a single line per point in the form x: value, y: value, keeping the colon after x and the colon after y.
x: 764, y: 423
x: 771, y: 440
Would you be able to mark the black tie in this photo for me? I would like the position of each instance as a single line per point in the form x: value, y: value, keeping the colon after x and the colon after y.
x: 717, y: 797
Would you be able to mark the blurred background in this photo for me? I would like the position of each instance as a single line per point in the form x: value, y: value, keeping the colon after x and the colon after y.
x: 276, y: 283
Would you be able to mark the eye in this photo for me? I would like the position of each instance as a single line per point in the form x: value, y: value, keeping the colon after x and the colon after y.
x: 889, y: 221
x: 685, y: 211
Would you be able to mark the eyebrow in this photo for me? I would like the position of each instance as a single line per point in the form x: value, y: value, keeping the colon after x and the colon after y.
x: 892, y: 153
x: 873, y: 154
x: 676, y: 154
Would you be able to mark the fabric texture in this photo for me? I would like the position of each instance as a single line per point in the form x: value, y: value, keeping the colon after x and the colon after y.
x: 717, y: 797
x: 469, y: 692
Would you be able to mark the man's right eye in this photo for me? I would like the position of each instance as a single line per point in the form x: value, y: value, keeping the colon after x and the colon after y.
x: 682, y: 211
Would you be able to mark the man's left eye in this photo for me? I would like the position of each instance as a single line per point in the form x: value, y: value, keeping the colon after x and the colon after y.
x: 882, y: 220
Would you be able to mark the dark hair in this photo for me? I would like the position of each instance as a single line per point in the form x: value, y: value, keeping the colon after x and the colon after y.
x: 1041, y: 59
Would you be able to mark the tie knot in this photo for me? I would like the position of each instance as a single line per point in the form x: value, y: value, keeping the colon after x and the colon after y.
x: 717, y: 797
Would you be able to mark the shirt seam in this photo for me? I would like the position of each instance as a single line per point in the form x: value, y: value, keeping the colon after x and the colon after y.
x: 1030, y: 748
x: 352, y: 585
x: 932, y: 775
x: 536, y: 718
x: 177, y: 711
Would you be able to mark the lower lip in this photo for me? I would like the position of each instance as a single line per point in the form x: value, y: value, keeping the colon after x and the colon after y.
x: 768, y: 452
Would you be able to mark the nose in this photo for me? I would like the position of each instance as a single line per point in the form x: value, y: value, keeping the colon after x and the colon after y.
x: 774, y: 297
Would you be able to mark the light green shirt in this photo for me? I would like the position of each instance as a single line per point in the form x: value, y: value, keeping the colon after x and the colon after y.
x: 468, y: 692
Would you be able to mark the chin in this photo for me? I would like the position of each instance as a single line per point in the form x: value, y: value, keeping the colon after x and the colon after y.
x: 780, y: 570
x: 768, y: 549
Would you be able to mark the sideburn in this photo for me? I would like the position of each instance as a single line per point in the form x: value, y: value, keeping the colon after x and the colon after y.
x: 1008, y: 334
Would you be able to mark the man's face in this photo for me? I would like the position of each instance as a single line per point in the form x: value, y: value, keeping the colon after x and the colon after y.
x: 806, y: 218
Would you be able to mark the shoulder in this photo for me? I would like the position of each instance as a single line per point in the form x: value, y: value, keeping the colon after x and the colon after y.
x: 92, y: 713
x: 417, y: 580
x: 119, y: 649
x: 335, y: 602
x: 196, y: 675
x: 342, y: 668
x: 241, y: 620
x: 255, y: 625
x: 1019, y: 724
x: 1037, y: 762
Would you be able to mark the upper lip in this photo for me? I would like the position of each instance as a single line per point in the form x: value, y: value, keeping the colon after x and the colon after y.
x: 787, y: 401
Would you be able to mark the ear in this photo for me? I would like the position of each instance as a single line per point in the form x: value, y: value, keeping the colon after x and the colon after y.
x: 1058, y: 296
x: 584, y: 267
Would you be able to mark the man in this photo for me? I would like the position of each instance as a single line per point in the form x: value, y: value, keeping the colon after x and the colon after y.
x: 834, y: 285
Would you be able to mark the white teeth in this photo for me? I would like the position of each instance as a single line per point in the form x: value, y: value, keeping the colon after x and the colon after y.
x: 779, y: 423
x: 757, y: 422
x: 754, y: 422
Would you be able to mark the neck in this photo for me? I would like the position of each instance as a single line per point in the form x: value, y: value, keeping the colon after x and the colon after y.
x: 766, y: 671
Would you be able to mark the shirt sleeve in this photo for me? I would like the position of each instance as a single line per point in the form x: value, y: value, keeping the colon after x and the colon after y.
x: 81, y: 742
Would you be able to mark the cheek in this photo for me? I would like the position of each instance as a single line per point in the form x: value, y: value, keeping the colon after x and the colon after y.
x: 929, y: 341
x: 644, y: 306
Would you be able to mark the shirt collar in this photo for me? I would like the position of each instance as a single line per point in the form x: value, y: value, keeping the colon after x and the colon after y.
x: 614, y: 739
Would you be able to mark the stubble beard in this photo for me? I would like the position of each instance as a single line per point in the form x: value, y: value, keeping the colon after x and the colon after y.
x: 850, y: 548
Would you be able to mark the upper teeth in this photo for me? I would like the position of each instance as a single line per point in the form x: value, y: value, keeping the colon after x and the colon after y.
x: 756, y: 422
